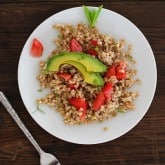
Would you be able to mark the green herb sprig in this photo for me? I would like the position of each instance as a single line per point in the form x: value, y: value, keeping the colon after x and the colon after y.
x: 39, y: 109
x: 39, y: 90
x: 92, y: 15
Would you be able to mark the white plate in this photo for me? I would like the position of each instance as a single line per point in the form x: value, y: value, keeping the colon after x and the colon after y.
x: 109, y: 23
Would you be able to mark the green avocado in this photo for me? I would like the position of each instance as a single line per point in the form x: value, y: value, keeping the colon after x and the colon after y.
x: 90, y: 63
x: 89, y: 77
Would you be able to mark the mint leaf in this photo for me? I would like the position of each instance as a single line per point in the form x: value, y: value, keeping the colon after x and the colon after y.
x: 87, y: 13
x: 96, y: 15
x: 92, y: 15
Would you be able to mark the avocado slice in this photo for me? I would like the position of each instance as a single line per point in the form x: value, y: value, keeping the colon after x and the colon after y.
x: 90, y: 63
x: 89, y: 77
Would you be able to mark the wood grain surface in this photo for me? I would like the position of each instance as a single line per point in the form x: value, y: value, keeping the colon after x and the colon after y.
x: 143, y: 145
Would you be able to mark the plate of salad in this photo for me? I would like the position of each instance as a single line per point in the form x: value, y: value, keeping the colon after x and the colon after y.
x: 84, y: 79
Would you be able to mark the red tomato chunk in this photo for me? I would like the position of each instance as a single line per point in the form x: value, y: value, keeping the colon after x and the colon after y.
x: 75, y: 46
x: 79, y: 103
x: 111, y: 71
x: 94, y: 42
x: 107, y: 90
x: 99, y: 101
x: 36, y: 48
x: 92, y: 52
x: 118, y: 70
x: 65, y: 76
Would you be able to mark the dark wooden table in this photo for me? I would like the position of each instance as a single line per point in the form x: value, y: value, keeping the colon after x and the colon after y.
x: 143, y: 145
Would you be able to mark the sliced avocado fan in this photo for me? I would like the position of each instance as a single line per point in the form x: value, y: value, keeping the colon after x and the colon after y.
x: 89, y: 77
x: 91, y: 64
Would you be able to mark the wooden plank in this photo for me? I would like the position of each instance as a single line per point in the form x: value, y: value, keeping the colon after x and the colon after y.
x: 144, y: 145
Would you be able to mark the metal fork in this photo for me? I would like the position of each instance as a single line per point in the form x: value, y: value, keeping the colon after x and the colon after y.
x: 45, y: 158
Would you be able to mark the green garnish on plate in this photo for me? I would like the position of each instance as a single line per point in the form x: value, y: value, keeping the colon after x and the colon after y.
x: 39, y: 109
x: 120, y: 110
x: 92, y: 15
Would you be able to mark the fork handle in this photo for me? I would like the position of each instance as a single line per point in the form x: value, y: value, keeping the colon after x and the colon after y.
x: 14, y: 115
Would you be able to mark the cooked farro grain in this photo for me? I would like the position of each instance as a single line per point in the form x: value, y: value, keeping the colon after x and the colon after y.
x: 110, y: 52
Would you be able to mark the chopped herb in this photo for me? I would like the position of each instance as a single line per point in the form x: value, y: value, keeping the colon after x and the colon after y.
x: 34, y: 111
x: 96, y: 48
x: 120, y: 110
x: 39, y: 109
x: 130, y: 57
x: 57, y: 95
x: 45, y: 71
x: 79, y: 122
x: 60, y: 36
x: 39, y: 90
x: 92, y: 15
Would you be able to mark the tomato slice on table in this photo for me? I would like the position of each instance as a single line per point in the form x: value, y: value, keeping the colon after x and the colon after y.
x: 36, y: 48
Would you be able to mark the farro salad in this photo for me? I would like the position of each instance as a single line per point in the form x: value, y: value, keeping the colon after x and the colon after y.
x: 89, y: 74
